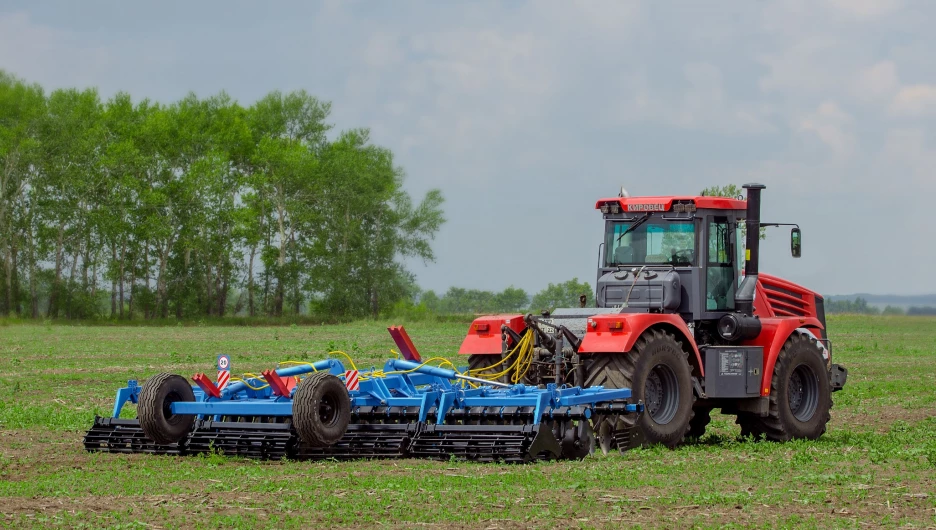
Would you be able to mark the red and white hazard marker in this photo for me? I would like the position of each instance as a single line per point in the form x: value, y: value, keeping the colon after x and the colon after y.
x: 224, y: 371
x: 351, y: 380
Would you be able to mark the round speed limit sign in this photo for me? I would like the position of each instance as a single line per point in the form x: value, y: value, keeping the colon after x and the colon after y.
x: 224, y: 363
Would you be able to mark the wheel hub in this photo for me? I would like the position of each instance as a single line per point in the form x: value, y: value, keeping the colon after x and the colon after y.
x: 328, y: 411
x: 803, y: 393
x: 661, y: 394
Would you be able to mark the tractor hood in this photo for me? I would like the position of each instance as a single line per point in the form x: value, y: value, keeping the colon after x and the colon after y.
x: 640, y: 288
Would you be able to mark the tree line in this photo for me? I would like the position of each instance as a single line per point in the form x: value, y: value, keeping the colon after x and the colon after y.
x: 458, y: 300
x: 860, y: 306
x: 200, y: 207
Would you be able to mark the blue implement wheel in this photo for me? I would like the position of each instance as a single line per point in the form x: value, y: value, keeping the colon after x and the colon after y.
x: 321, y: 409
x: 154, y: 409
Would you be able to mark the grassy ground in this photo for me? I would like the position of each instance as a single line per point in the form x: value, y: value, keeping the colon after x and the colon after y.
x: 875, y: 467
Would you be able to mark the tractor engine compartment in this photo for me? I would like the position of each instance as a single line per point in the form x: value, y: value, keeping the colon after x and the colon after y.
x: 641, y: 288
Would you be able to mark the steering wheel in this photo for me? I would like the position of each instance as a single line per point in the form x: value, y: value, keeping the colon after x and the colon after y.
x: 682, y: 256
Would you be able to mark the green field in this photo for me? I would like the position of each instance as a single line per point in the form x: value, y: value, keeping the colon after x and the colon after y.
x: 875, y: 467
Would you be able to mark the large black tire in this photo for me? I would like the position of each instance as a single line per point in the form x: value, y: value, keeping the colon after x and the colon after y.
x: 701, y: 417
x: 321, y: 409
x: 751, y: 426
x: 657, y: 372
x: 153, y: 410
x: 800, y: 395
x: 481, y: 361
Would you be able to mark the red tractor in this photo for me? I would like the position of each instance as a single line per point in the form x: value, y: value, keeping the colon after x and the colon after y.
x: 685, y: 320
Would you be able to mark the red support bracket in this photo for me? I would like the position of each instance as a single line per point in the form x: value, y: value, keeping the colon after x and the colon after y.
x: 204, y: 382
x: 277, y: 384
x: 402, y: 340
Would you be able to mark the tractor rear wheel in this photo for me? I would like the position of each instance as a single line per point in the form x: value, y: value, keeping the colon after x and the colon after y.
x: 154, y: 410
x: 751, y: 425
x: 484, y: 362
x: 800, y: 396
x: 321, y: 409
x: 701, y: 417
x: 657, y: 372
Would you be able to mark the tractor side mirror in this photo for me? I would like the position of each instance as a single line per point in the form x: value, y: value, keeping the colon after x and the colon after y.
x: 796, y: 242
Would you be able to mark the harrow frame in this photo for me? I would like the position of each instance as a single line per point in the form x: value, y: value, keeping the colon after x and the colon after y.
x: 406, y: 409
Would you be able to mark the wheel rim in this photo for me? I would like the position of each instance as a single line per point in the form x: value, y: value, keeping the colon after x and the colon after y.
x: 803, y: 392
x: 170, y: 398
x: 328, y: 411
x: 661, y: 394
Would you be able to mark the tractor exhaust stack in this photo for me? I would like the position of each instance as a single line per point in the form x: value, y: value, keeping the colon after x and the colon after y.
x: 743, y: 324
x: 744, y: 299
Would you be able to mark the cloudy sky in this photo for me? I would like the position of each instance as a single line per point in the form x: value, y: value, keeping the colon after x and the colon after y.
x: 525, y: 113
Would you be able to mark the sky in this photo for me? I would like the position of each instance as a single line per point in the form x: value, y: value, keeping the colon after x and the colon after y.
x: 525, y: 113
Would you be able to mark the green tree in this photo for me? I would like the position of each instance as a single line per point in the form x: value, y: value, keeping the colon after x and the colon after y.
x: 22, y: 109
x: 183, y: 206
x: 69, y: 171
x: 431, y: 300
x: 289, y: 131
x: 511, y: 299
x: 564, y: 294
x: 366, y: 223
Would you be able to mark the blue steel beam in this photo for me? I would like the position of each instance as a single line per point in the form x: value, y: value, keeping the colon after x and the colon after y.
x: 329, y: 365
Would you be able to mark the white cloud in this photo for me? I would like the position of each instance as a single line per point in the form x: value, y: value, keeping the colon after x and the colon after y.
x: 910, y: 153
x: 803, y: 66
x: 915, y: 100
x: 877, y: 81
x: 830, y: 123
x: 699, y: 104
x: 866, y: 8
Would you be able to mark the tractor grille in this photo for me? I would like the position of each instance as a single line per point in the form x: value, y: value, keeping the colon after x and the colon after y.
x: 785, y: 303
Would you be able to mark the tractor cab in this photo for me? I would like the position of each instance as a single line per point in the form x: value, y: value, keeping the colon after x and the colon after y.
x: 671, y: 254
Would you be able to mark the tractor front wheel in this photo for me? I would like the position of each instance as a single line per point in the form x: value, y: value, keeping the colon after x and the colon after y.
x: 321, y: 409
x: 800, y: 396
x: 657, y: 372
x: 154, y: 410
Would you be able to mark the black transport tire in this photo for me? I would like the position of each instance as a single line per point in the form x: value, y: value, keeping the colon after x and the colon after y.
x: 751, y: 426
x: 321, y: 409
x: 482, y: 361
x: 701, y: 417
x: 658, y: 374
x: 800, y: 395
x: 153, y: 410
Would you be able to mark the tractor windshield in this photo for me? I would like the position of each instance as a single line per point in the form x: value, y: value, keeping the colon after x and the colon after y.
x: 653, y: 241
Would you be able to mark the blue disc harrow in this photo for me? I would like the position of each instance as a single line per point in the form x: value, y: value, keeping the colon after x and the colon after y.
x: 323, y: 410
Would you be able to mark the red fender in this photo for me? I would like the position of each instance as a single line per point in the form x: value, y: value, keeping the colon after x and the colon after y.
x: 774, y: 333
x: 484, y: 334
x: 618, y: 332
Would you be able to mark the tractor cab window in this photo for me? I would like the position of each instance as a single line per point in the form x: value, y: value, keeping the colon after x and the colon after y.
x: 720, y: 268
x: 652, y: 242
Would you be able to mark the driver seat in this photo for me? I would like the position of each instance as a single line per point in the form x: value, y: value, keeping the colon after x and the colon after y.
x: 623, y: 254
